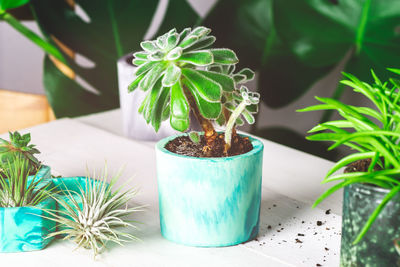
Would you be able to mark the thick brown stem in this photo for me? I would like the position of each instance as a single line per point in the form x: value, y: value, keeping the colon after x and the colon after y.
x: 209, y: 132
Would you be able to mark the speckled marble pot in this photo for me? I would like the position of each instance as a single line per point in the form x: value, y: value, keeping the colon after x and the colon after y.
x: 377, y: 246
x: 209, y: 202
x: 23, y: 228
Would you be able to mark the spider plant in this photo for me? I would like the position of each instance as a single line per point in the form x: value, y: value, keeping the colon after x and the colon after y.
x: 374, y: 133
x: 181, y: 72
x: 16, y: 189
x: 96, y: 213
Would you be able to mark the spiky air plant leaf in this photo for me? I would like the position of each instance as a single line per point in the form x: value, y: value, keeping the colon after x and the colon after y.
x: 172, y: 70
x: 373, y: 132
x: 19, y: 145
x: 96, y: 214
x: 16, y: 189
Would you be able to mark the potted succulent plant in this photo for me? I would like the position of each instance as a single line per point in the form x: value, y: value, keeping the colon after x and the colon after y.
x: 371, y: 180
x: 210, y: 183
x: 23, y: 199
x: 19, y: 145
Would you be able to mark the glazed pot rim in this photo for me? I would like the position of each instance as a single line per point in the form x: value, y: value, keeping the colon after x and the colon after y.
x: 257, y: 147
x: 42, y: 204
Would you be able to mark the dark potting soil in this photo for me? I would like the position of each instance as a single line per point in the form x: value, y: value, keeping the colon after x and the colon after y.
x: 182, y: 145
x: 360, y: 166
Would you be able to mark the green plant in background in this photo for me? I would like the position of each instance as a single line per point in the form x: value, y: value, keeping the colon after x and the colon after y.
x: 19, y: 146
x: 293, y: 44
x: 5, y: 7
x: 107, y: 31
x: 67, y: 33
x: 98, y: 216
x: 16, y: 189
x: 181, y: 72
x: 373, y: 133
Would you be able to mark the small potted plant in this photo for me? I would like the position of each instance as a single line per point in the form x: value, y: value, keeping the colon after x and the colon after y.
x: 92, y: 212
x: 209, y: 183
x: 371, y: 180
x: 19, y: 145
x: 23, y: 199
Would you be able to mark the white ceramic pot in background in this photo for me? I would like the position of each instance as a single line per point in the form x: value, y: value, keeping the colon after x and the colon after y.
x: 134, y: 125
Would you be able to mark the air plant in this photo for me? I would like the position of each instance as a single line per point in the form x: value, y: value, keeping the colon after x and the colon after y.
x: 17, y: 189
x: 95, y: 214
x: 19, y: 145
x: 181, y: 72
x: 373, y: 133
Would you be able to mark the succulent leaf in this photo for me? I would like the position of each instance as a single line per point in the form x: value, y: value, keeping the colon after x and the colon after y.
x: 195, y: 137
x: 157, y: 113
x: 198, y: 58
x: 172, y: 75
x: 207, y: 88
x: 174, y: 54
x: 151, y: 77
x: 154, y: 94
x: 179, y: 104
x: 224, y: 56
x: 210, y: 110
x: 184, y: 33
x: 225, y: 81
x: 201, y: 44
x: 248, y: 73
x: 149, y: 46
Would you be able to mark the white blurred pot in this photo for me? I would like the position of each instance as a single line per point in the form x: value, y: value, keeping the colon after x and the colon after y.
x: 134, y: 125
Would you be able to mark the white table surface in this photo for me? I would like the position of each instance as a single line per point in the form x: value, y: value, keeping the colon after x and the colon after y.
x: 291, y: 182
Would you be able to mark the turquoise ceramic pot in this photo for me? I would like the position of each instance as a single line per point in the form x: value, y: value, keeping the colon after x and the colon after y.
x: 44, y: 172
x: 23, y: 228
x: 209, y: 202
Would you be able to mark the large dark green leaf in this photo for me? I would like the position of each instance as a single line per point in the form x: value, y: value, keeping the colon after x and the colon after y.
x: 113, y: 28
x: 247, y: 26
x: 295, y: 43
x: 9, y: 4
x: 67, y: 101
x: 320, y: 33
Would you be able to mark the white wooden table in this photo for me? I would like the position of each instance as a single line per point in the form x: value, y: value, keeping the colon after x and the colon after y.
x: 291, y: 182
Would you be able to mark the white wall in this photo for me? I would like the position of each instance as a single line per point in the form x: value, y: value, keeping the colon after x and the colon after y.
x: 20, y: 61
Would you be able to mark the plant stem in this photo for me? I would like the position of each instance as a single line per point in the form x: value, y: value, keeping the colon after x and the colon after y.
x: 231, y: 123
x: 46, y: 46
x: 209, y: 132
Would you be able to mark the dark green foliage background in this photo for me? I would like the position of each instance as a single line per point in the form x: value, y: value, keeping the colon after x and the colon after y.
x: 291, y: 43
x: 115, y: 29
